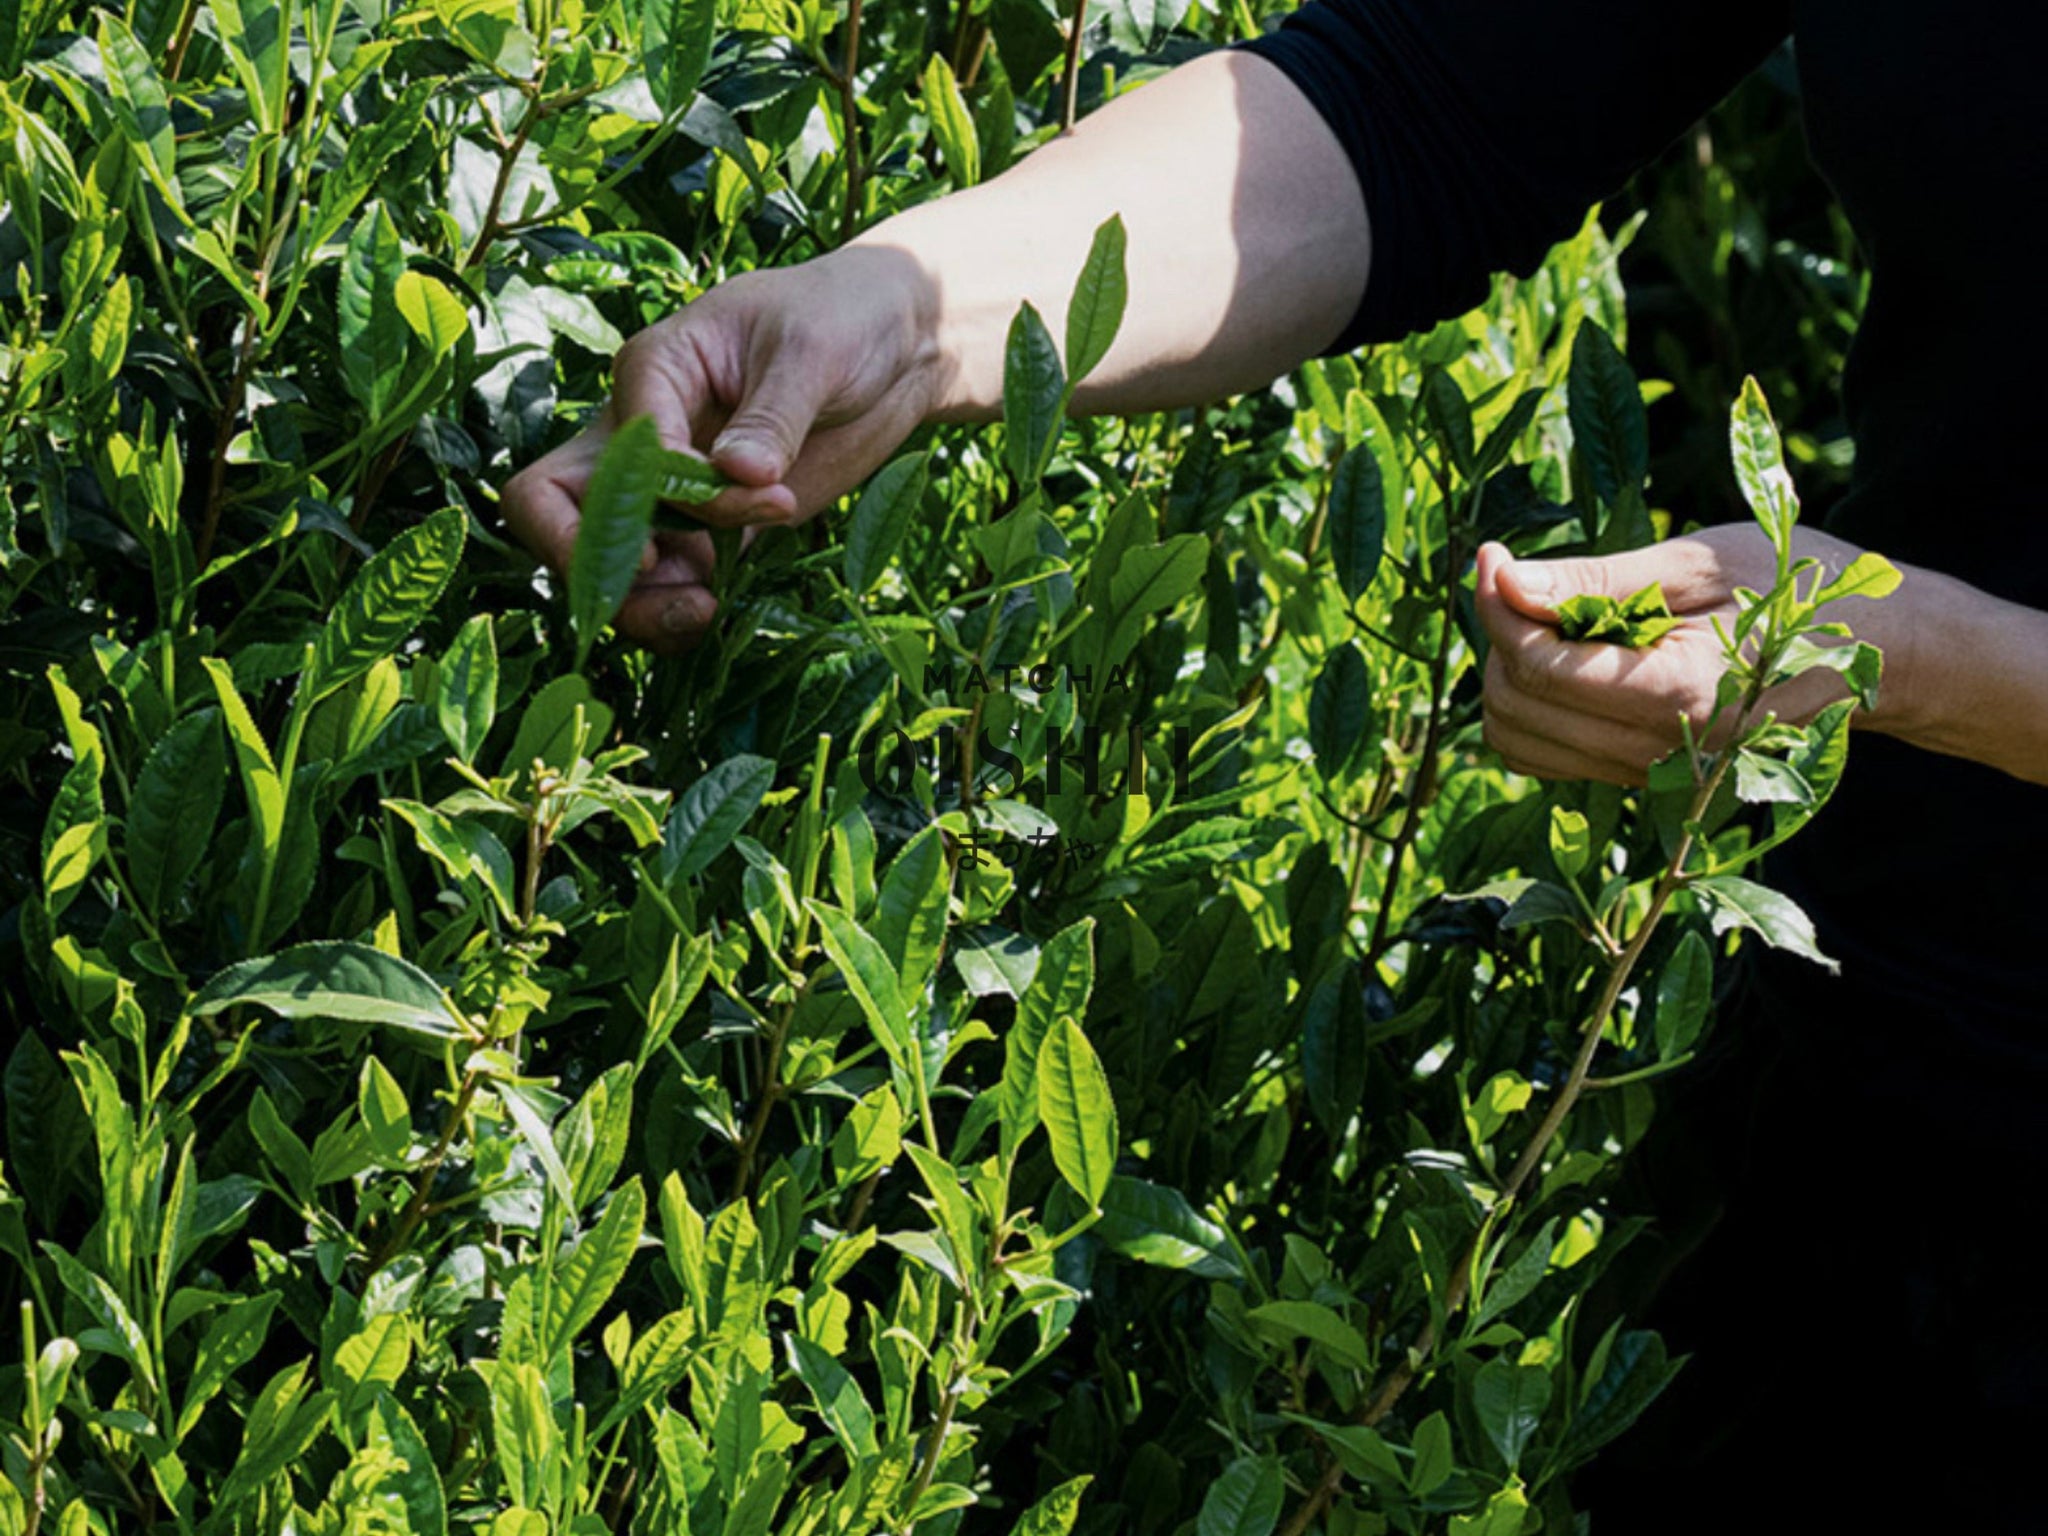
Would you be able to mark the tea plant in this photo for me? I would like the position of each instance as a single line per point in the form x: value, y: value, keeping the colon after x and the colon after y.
x: 1048, y: 1020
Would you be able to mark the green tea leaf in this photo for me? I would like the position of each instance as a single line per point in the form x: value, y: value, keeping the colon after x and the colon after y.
x: 1339, y: 710
x: 1097, y: 309
x: 373, y: 332
x: 1509, y: 1400
x: 230, y: 1342
x: 1357, y: 522
x: 1054, y: 1514
x: 388, y: 599
x: 335, y: 980
x: 1868, y: 575
x: 1760, y: 465
x: 871, y: 978
x: 1571, y: 842
x: 881, y: 518
x: 1609, y: 427
x: 172, y: 812
x: 616, y: 520
x: 142, y: 107
x: 1733, y: 902
x: 710, y: 813
x: 1244, y: 1501
x: 1079, y: 1115
x: 1685, y: 990
x: 675, y: 48
x: 952, y: 127
x: 585, y: 1280
x: 1154, y: 1224
x: 466, y: 684
x: 1034, y: 397
x: 838, y: 1396
x: 1316, y: 1323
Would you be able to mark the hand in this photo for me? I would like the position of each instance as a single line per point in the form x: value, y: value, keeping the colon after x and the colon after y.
x: 1562, y: 709
x: 800, y: 381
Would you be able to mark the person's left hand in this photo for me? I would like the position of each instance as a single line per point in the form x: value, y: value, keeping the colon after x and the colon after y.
x: 1563, y: 709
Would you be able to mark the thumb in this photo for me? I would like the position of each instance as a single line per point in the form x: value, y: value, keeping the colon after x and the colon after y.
x: 766, y: 431
x: 1686, y: 569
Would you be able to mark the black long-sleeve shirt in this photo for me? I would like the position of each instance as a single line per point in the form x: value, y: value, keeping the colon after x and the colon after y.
x: 1481, y: 130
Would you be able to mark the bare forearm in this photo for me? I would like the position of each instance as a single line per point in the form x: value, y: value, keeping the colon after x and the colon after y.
x: 1247, y: 243
x: 1969, y: 677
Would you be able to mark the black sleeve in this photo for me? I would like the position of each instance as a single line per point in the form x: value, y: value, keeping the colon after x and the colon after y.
x: 1482, y: 130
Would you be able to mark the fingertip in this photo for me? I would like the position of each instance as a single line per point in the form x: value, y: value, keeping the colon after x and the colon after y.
x: 1527, y: 588
x: 748, y: 458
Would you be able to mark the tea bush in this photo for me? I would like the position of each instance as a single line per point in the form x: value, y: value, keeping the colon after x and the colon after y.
x: 1050, y: 1019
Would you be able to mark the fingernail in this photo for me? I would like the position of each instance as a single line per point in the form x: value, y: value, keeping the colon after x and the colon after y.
x: 737, y: 442
x: 1533, y: 579
x: 675, y: 619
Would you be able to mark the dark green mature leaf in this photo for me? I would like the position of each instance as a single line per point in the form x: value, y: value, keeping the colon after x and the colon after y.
x: 616, y: 518
x: 710, y: 813
x: 1333, y: 1049
x: 1638, y: 1369
x: 1034, y: 397
x: 675, y: 48
x: 838, y: 1396
x: 1734, y: 902
x: 881, y: 518
x: 1339, y: 710
x: 386, y: 602
x: 177, y: 799
x: 1685, y: 991
x: 1509, y: 1400
x: 585, y: 1280
x: 1100, y: 294
x: 47, y: 1127
x: 1357, y: 522
x: 1244, y: 1501
x: 1316, y: 1323
x: 1450, y: 418
x: 335, y: 980
x: 1079, y: 1114
x: 1609, y: 427
x: 373, y: 331
x: 1155, y: 1225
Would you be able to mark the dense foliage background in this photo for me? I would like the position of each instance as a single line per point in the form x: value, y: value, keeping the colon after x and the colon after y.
x: 1050, y: 1019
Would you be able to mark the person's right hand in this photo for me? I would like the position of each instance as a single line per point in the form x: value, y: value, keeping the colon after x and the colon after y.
x: 797, y: 383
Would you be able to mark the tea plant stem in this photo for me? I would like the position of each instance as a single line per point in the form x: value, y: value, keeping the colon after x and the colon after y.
x: 416, y: 1208
x: 849, y: 114
x: 1070, y: 91
x: 1459, y: 1289
x: 1423, y: 781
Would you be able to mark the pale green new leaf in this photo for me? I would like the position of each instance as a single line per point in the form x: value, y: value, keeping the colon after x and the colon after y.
x: 838, y: 1396
x: 952, y: 127
x: 585, y: 1280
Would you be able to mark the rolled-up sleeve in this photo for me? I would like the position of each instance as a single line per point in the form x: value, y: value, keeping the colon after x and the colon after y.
x: 1481, y: 130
